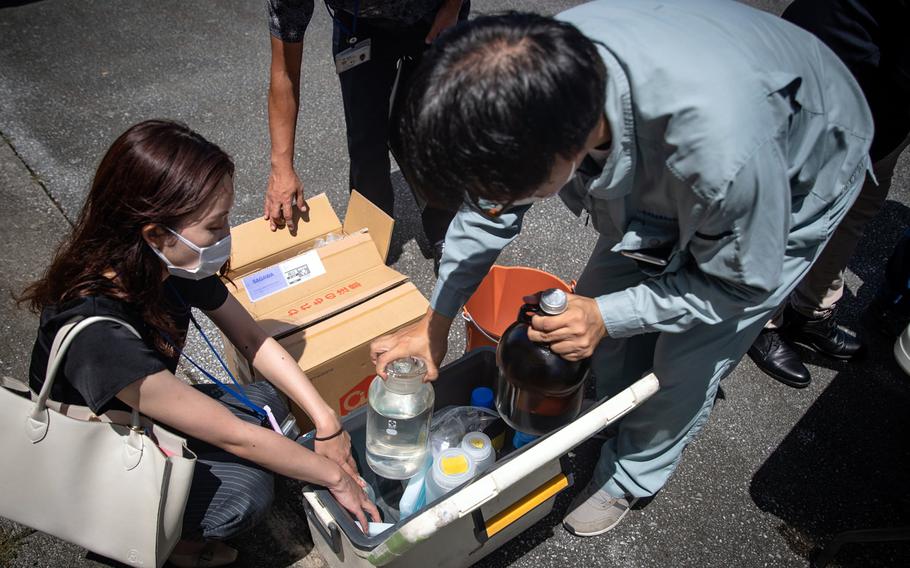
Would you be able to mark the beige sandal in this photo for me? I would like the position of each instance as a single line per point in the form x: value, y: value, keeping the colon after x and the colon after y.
x: 213, y: 553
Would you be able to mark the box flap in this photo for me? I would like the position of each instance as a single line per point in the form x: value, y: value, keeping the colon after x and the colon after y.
x: 362, y: 214
x: 333, y: 337
x: 255, y: 246
x: 350, y: 273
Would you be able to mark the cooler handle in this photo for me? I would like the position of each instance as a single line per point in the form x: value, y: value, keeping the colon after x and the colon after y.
x: 485, y: 529
x: 322, y: 520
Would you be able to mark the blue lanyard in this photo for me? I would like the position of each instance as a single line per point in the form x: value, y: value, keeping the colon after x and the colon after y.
x: 239, y: 394
x: 351, y: 33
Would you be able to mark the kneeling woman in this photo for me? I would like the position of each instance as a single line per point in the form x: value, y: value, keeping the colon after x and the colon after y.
x: 150, y: 242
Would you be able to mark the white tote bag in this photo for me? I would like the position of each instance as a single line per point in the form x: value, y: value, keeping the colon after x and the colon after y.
x: 102, y: 482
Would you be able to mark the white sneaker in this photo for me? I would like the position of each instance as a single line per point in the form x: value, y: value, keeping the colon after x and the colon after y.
x: 594, y: 511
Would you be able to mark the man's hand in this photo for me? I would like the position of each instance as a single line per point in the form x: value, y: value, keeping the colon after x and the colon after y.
x: 284, y: 192
x: 573, y: 334
x: 427, y: 339
x: 446, y: 17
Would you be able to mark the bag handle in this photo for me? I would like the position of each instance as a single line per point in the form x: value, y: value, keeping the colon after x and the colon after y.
x: 61, y: 344
x: 14, y: 385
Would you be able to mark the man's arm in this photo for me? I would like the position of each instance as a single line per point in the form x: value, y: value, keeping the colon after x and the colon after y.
x: 473, y: 242
x: 285, y: 189
x: 288, y: 20
x: 446, y: 17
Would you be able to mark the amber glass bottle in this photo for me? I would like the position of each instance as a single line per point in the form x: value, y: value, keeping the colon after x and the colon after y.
x: 537, y: 390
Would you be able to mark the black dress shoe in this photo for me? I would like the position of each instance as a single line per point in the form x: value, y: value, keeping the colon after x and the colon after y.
x: 438, y: 249
x: 821, y: 335
x: 778, y: 360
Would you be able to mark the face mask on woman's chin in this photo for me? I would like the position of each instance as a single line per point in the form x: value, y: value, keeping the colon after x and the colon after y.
x: 211, y: 258
x: 536, y: 198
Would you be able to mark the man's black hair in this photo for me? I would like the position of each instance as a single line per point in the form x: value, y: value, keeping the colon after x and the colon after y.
x: 493, y: 103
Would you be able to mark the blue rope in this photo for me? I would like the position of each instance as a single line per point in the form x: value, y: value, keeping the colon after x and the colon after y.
x: 241, y: 395
x: 352, y: 33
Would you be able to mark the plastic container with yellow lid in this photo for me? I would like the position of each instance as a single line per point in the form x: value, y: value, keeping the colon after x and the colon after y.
x: 480, y: 448
x: 451, y: 468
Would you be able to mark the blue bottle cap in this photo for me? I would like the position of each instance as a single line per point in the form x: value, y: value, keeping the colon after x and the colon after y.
x: 482, y: 396
x: 521, y: 439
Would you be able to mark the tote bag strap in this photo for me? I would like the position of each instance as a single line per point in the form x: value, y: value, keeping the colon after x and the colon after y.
x: 61, y: 344
x: 14, y: 385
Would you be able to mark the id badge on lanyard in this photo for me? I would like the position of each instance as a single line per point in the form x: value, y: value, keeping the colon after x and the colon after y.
x: 353, y: 56
x: 358, y: 52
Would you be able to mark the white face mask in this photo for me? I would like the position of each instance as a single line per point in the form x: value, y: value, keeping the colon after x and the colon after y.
x: 211, y: 258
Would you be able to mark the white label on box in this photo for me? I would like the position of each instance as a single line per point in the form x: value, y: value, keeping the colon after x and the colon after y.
x: 283, y: 275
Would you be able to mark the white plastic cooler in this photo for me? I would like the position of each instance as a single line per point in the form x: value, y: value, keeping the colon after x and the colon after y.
x: 470, y: 522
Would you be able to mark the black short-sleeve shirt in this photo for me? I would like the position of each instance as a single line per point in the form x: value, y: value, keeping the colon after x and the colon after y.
x: 106, y: 357
x: 288, y: 19
x: 871, y: 38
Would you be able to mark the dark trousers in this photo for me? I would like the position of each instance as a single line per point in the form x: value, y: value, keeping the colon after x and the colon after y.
x: 229, y: 494
x: 366, y: 91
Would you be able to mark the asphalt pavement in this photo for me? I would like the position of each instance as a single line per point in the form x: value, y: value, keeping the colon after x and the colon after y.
x: 776, y: 472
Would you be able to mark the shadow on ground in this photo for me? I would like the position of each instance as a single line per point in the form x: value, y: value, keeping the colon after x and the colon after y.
x: 14, y: 3
x: 844, y: 465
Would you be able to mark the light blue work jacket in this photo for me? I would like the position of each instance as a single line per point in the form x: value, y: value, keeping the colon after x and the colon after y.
x: 738, y: 140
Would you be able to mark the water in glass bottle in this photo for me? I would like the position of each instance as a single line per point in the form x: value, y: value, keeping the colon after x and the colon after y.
x: 398, y: 419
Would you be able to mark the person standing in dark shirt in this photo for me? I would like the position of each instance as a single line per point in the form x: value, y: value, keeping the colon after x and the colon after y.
x: 150, y: 243
x: 382, y: 34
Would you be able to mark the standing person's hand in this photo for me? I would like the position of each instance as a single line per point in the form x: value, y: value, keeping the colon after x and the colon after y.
x: 446, y: 17
x: 353, y: 498
x: 284, y: 192
x: 573, y: 334
x: 427, y: 339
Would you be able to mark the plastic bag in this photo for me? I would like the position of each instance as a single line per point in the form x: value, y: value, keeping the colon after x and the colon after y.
x: 328, y: 238
x: 450, y: 424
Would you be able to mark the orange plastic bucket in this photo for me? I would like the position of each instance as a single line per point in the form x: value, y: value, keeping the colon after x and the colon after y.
x: 494, y: 306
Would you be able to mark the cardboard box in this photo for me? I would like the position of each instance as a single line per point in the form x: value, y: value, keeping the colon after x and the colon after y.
x: 324, y: 293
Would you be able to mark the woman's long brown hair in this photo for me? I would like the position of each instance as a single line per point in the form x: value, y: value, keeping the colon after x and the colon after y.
x: 158, y: 172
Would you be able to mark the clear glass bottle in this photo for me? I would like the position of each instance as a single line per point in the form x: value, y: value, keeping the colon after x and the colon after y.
x: 398, y: 419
